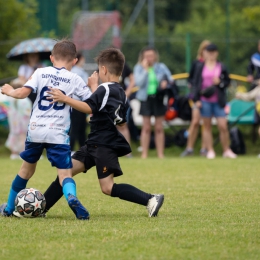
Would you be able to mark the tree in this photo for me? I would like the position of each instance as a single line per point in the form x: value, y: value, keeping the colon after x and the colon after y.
x: 18, y: 22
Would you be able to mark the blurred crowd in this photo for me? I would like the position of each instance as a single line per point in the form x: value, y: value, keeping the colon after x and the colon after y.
x: 151, y: 86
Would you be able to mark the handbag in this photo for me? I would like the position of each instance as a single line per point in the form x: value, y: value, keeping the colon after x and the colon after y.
x: 208, y: 92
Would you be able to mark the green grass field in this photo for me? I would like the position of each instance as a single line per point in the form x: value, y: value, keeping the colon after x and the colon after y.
x: 211, y: 211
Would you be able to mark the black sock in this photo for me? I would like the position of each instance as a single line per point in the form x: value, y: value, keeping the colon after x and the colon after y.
x: 53, y: 194
x: 130, y: 193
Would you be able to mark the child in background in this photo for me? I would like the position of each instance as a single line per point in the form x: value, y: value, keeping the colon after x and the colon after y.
x: 252, y: 95
x: 18, y: 112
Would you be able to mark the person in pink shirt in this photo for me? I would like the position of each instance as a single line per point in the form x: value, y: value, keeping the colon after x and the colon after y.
x: 210, y: 83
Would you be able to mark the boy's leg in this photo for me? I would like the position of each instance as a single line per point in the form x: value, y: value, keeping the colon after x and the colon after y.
x: 60, y: 156
x: 108, y: 167
x: 69, y: 191
x: 18, y: 184
x: 54, y: 191
x: 132, y: 194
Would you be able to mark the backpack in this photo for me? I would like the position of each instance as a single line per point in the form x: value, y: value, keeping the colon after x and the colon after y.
x: 180, y: 138
x: 183, y: 108
x: 237, y: 144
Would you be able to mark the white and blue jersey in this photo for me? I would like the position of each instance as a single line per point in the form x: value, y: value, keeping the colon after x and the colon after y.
x: 50, y: 123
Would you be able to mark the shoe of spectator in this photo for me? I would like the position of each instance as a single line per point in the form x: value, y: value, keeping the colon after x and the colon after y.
x: 140, y: 149
x: 203, y: 152
x: 187, y: 152
x: 229, y: 154
x: 211, y: 154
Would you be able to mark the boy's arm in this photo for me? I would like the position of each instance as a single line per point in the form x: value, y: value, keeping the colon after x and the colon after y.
x: 18, y: 93
x: 58, y: 96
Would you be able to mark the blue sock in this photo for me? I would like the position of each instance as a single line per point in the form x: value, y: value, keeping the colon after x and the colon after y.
x: 17, y: 185
x: 68, y: 187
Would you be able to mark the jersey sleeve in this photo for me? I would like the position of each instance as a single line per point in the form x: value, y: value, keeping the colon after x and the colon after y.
x: 33, y: 82
x: 82, y: 91
x: 98, y: 99
x: 124, y: 110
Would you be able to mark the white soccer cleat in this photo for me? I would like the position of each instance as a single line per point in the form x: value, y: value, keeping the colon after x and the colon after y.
x: 154, y: 204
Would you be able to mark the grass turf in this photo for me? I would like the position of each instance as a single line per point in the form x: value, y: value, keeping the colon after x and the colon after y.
x: 211, y: 211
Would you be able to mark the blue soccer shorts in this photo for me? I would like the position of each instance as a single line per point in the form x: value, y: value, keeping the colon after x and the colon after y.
x: 58, y: 154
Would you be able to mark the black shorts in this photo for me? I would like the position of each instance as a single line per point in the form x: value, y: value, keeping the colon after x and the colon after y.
x: 104, y: 158
x: 153, y: 106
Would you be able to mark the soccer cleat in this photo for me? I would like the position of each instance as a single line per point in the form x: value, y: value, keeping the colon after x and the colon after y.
x: 42, y: 215
x: 3, y: 212
x: 154, y: 204
x: 79, y: 210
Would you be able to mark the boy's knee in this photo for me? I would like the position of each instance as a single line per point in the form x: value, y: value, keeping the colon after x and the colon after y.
x: 106, y: 190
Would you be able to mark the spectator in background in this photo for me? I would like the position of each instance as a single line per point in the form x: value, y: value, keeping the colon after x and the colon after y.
x: 19, y: 111
x: 78, y: 119
x: 152, y: 78
x: 253, y: 68
x: 210, y: 81
x: 254, y: 94
x: 25, y: 71
x: 195, y: 122
x: 253, y: 74
x: 127, y: 82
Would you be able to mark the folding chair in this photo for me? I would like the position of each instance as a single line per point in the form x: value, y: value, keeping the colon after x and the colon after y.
x: 241, y: 112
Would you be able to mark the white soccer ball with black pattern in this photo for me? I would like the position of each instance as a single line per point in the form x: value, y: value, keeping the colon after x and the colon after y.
x: 29, y: 203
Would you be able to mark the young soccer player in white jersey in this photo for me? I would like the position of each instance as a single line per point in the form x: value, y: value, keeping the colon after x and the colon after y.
x: 105, y: 144
x: 49, y: 125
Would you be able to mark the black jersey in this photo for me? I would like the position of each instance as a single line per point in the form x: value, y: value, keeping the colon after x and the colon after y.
x: 109, y: 106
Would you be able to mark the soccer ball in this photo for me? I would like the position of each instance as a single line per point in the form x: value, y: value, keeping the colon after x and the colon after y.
x: 29, y: 203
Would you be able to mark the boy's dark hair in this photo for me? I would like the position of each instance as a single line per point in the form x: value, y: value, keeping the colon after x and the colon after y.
x: 113, y: 59
x: 79, y: 56
x: 64, y: 50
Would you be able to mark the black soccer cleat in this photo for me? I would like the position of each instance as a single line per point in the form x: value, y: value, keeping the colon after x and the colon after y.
x: 154, y: 204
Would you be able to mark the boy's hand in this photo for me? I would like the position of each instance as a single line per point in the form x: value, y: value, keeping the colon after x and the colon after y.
x: 56, y: 95
x: 7, y: 89
x: 93, y: 81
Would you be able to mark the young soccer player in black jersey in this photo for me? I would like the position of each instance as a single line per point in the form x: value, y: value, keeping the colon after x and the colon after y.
x: 108, y: 106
